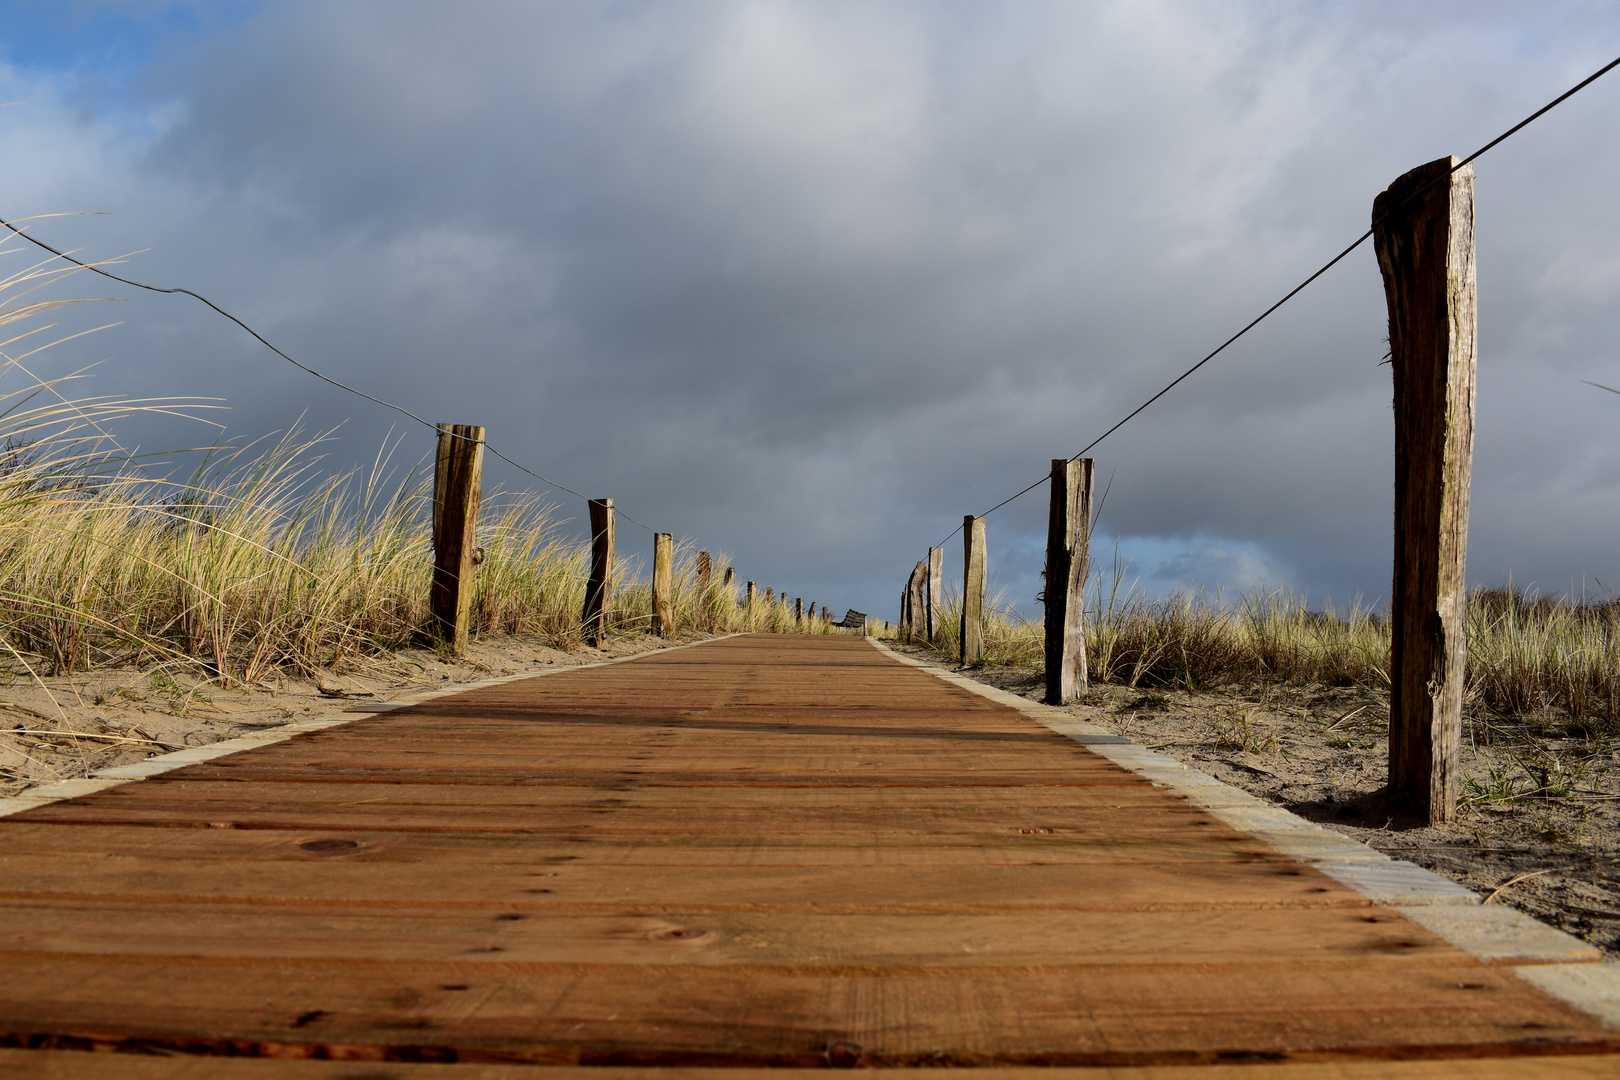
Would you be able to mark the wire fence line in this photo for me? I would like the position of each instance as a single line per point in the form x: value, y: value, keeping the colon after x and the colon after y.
x: 261, y: 339
x: 1297, y: 289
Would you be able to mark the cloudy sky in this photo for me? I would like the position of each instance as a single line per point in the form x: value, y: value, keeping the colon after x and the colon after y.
x: 807, y: 282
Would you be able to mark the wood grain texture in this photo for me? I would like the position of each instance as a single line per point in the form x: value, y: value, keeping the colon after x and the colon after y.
x: 973, y: 569
x: 1424, y: 235
x: 68, y: 1065
x: 457, y: 490
x: 768, y: 850
x: 913, y: 605
x: 1068, y: 543
x: 936, y: 592
x: 663, y: 584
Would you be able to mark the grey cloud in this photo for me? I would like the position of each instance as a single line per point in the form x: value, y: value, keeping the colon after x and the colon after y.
x: 810, y: 281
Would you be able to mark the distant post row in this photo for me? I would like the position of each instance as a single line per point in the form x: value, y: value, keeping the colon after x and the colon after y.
x: 457, y: 492
x: 1423, y: 233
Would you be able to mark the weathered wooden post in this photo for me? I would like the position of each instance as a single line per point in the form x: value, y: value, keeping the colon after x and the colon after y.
x: 1068, y: 541
x: 457, y: 489
x: 972, y: 590
x: 902, y: 628
x: 663, y: 582
x: 704, y: 570
x: 936, y: 591
x: 918, y: 601
x: 798, y: 610
x: 730, y: 576
x: 770, y: 595
x: 599, y: 588
x: 750, y: 601
x: 1423, y: 230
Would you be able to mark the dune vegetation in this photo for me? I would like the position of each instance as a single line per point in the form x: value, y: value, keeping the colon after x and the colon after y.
x: 260, y: 559
x: 1529, y: 655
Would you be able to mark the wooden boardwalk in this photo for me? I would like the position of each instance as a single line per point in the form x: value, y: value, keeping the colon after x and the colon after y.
x: 761, y: 851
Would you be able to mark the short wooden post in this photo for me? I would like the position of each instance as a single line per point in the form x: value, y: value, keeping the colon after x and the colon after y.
x: 704, y: 570
x: 1067, y: 546
x: 750, y: 601
x: 663, y: 583
x: 730, y: 577
x: 599, y: 587
x: 1423, y: 230
x: 457, y: 489
x: 936, y: 591
x: 798, y: 609
x: 972, y: 590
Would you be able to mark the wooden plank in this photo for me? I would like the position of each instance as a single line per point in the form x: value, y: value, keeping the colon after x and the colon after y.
x: 1423, y: 230
x: 199, y: 793
x: 905, y: 825
x: 330, y: 873
x: 526, y: 930
x: 457, y: 491
x: 651, y: 1015
x: 1190, y: 853
x: 75, y: 1065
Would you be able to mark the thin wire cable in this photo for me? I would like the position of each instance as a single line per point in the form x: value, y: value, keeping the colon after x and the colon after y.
x: 260, y: 338
x: 523, y: 468
x: 1566, y: 95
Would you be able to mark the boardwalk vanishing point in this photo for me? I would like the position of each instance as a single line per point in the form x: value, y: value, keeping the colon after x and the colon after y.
x: 760, y: 852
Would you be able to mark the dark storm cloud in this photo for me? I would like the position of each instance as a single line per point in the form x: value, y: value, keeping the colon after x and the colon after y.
x: 810, y: 281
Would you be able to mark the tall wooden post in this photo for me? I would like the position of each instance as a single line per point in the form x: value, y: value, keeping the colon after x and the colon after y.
x: 1423, y: 230
x: 972, y: 590
x: 599, y: 588
x: 936, y: 591
x: 750, y: 601
x: 918, y: 601
x: 729, y: 577
x: 798, y: 609
x: 663, y: 582
x: 902, y: 628
x: 770, y: 595
x: 457, y: 489
x: 1068, y: 526
x: 704, y: 570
